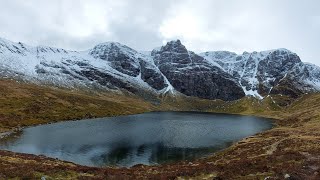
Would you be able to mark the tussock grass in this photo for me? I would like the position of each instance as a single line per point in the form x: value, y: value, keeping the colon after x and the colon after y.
x: 292, y: 147
x: 24, y: 104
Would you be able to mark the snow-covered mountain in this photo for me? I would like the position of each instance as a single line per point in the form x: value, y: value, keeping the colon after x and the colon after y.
x: 193, y: 75
x: 109, y: 66
x: 278, y: 71
x: 171, y: 69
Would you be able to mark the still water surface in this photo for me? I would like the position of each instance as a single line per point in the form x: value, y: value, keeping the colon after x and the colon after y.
x: 150, y: 138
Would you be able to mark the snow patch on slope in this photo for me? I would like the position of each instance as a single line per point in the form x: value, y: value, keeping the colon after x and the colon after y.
x: 256, y: 68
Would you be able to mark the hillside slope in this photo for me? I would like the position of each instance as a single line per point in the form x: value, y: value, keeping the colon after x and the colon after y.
x: 292, y: 147
x: 24, y: 104
x: 272, y: 72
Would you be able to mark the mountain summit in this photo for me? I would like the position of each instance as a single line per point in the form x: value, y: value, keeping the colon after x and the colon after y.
x: 170, y: 69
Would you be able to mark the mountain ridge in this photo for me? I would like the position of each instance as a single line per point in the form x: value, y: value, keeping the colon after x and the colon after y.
x: 172, y: 68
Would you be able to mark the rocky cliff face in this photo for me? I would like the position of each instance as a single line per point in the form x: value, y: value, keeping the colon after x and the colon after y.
x: 192, y: 75
x: 119, y: 57
x: 302, y: 78
x: 170, y: 69
x: 131, y: 63
x: 260, y: 74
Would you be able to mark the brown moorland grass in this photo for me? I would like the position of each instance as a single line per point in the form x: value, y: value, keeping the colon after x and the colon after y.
x: 23, y: 104
x: 292, y: 148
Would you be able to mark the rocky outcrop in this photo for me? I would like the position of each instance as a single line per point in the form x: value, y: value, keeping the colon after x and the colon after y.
x: 192, y: 75
x: 152, y: 75
x: 301, y: 78
x: 263, y: 73
x: 120, y: 57
x: 274, y: 68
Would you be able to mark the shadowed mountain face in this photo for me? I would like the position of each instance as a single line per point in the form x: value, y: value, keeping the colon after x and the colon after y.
x: 192, y: 75
x: 171, y: 69
x: 120, y: 57
x: 278, y: 71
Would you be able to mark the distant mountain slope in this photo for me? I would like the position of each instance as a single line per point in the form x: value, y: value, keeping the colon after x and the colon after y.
x: 278, y: 71
x: 169, y: 70
x: 108, y: 66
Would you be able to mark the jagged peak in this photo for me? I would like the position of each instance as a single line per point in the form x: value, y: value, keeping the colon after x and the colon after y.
x: 6, y: 42
x: 103, y: 50
x: 177, y: 41
x: 32, y: 49
x: 48, y: 49
x: 112, y: 46
x: 174, y: 46
x: 281, y: 50
x: 174, y: 43
x: 219, y: 55
x: 268, y: 51
x: 110, y: 43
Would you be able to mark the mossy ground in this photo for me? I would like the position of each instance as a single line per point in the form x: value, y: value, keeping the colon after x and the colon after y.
x: 291, y: 148
x: 24, y: 104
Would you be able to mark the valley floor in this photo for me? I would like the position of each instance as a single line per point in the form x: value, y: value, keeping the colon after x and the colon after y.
x: 291, y: 149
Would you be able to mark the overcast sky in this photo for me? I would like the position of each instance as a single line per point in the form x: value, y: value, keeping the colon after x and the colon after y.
x: 202, y: 25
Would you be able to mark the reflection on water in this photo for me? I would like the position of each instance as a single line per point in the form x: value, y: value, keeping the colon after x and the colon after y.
x: 151, y: 138
x: 150, y: 154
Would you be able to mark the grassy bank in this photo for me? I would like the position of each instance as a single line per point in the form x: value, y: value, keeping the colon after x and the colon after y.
x: 24, y: 104
x: 292, y: 148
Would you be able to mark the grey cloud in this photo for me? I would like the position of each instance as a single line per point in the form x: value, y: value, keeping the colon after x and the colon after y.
x: 143, y: 24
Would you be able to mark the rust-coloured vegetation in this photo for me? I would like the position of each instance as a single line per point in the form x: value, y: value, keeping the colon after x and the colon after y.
x: 291, y: 149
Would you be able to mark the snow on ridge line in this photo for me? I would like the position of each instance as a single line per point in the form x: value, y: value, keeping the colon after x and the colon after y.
x: 24, y: 58
x: 62, y: 65
x: 266, y: 52
x: 244, y: 68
